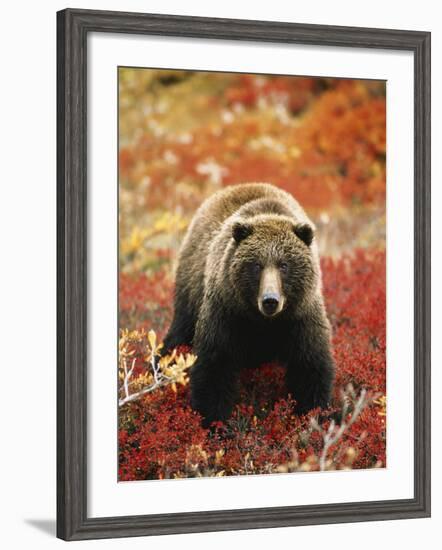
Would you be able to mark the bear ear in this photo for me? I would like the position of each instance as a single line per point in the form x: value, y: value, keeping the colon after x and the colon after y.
x: 304, y: 232
x: 240, y: 231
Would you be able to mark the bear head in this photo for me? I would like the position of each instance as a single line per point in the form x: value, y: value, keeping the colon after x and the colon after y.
x: 272, y: 268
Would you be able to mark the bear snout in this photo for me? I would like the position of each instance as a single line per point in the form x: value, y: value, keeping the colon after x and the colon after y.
x: 270, y: 297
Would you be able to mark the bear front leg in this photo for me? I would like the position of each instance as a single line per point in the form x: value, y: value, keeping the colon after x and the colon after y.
x: 182, y: 328
x: 310, y: 366
x: 214, y: 387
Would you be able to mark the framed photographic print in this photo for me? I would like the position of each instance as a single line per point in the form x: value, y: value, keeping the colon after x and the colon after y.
x: 243, y: 274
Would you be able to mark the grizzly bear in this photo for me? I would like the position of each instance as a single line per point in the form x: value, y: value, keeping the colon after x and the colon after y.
x: 248, y: 291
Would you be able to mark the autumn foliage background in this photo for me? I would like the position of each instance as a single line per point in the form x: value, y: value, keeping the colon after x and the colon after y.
x: 182, y: 136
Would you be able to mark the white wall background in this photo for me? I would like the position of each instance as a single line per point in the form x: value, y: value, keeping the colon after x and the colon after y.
x: 27, y: 277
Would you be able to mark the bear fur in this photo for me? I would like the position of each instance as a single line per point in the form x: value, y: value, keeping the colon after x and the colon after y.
x: 242, y: 239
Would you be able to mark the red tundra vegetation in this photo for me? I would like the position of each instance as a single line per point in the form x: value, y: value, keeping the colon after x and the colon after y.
x: 184, y: 135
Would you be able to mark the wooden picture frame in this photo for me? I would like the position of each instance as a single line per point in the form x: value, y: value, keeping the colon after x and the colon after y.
x: 73, y: 27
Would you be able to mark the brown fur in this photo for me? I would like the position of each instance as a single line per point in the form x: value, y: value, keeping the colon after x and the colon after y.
x: 235, y: 235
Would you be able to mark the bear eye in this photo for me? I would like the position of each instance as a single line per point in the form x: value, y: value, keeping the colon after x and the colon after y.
x: 256, y: 268
x: 283, y: 267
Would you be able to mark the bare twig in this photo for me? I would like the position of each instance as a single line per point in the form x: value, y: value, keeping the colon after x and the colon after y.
x: 127, y: 375
x: 159, y: 380
x: 138, y: 394
x: 169, y: 370
x: 334, y: 433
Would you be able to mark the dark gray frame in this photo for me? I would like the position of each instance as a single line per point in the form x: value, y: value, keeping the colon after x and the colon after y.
x: 73, y: 27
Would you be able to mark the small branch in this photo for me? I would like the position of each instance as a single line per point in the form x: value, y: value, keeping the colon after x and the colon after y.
x: 155, y: 367
x: 127, y: 375
x: 137, y: 395
x: 333, y: 435
x: 159, y: 380
x: 174, y: 366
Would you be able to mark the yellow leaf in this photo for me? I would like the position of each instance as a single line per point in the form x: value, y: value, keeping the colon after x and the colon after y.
x: 190, y: 360
x: 152, y: 338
